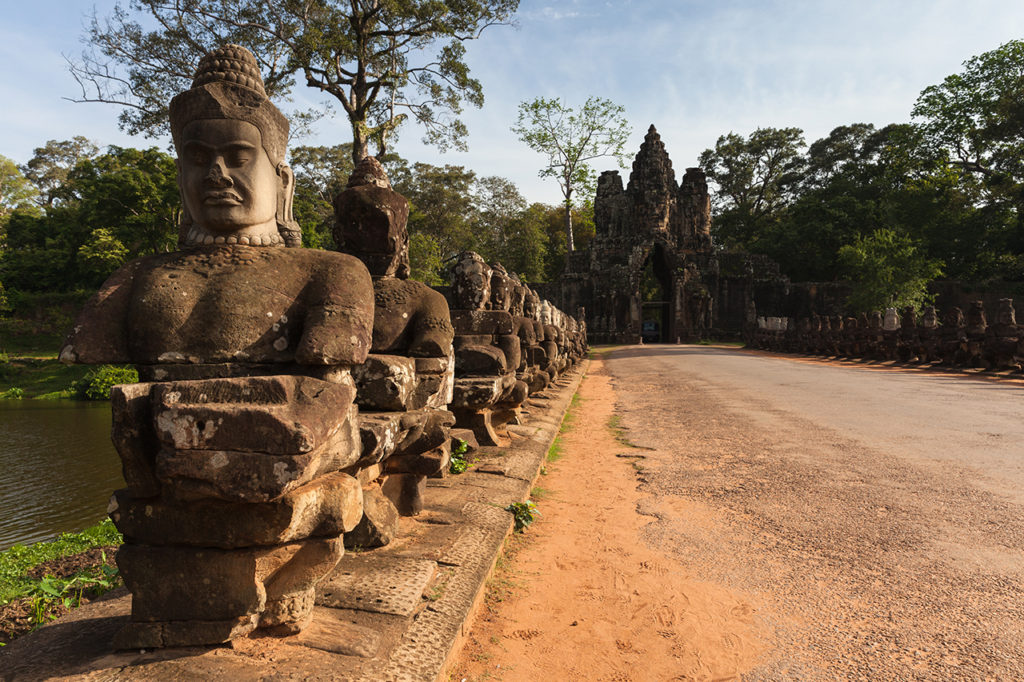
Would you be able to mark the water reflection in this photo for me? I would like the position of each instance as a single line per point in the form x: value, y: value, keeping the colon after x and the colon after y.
x: 57, y: 468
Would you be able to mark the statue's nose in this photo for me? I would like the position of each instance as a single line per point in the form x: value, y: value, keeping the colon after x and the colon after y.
x: 217, y: 174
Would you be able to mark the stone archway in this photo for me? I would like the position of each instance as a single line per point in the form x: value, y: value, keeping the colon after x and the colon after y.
x: 656, y: 296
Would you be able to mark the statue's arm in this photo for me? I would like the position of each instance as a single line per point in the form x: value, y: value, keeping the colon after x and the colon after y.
x: 338, y: 325
x: 432, y: 333
x: 100, y: 334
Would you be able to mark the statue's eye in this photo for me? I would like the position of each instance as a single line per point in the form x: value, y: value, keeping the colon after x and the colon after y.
x: 238, y: 157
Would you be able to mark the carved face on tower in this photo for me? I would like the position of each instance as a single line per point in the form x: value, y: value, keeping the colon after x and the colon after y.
x: 230, y: 139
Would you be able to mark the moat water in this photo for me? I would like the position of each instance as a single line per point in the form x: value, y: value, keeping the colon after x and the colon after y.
x: 57, y: 468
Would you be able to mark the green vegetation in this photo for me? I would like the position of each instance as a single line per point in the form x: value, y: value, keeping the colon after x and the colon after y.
x: 889, y: 208
x: 98, y: 381
x: 16, y: 562
x: 459, y: 463
x: 523, y: 513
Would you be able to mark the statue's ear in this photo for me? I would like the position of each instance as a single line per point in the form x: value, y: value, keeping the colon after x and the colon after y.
x: 290, y: 229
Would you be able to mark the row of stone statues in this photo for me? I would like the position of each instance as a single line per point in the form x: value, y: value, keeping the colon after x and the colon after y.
x: 905, y: 336
x: 292, y: 401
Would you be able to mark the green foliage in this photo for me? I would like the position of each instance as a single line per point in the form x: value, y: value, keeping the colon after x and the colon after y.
x: 459, y: 463
x: 523, y: 513
x: 13, y: 393
x: 887, y: 269
x: 97, y: 383
x: 19, y: 559
x: 382, y: 62
x: 15, y: 189
x: 50, y: 593
x: 757, y: 178
x: 571, y: 139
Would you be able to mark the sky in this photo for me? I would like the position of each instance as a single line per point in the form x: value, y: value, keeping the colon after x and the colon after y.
x: 696, y: 69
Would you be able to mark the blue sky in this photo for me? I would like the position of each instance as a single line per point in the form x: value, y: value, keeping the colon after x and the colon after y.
x: 696, y: 69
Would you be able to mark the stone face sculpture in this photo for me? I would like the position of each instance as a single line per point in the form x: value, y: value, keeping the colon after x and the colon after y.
x: 406, y: 382
x: 240, y: 447
x: 1002, y: 338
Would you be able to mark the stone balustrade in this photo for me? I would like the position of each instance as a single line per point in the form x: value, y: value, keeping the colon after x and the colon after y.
x: 957, y: 339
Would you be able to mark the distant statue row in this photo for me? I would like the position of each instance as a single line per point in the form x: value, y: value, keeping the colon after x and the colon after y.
x: 957, y: 340
x: 292, y: 401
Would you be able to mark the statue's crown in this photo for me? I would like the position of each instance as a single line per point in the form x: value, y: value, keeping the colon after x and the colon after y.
x: 228, y: 85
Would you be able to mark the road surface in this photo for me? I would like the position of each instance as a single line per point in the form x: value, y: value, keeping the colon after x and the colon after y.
x: 874, y: 516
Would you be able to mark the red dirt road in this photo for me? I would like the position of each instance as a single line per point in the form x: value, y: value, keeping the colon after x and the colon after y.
x: 793, y: 520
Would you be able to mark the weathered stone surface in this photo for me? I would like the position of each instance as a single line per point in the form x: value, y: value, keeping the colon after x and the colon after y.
x: 379, y: 524
x: 327, y: 507
x: 429, y: 463
x: 370, y: 220
x: 202, y: 584
x: 134, y: 437
x: 405, y: 491
x: 480, y: 361
x: 237, y: 476
x: 385, y: 382
x: 481, y: 322
x: 365, y: 583
x: 183, y: 633
x: 280, y: 415
x: 477, y: 392
x: 379, y: 433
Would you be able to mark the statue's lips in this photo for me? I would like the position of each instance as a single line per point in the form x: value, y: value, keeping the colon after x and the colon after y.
x: 221, y: 199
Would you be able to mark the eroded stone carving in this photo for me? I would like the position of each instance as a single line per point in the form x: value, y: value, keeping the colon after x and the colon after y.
x: 406, y: 383
x: 241, y: 446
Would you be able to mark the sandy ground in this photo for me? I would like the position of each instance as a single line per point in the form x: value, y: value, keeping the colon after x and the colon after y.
x: 792, y: 520
x: 583, y: 597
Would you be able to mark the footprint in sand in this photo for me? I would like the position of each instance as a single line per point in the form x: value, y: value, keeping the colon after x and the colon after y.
x: 526, y: 634
x: 665, y: 616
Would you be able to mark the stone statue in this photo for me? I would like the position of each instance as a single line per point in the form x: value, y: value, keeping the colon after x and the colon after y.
x: 239, y: 451
x: 406, y: 383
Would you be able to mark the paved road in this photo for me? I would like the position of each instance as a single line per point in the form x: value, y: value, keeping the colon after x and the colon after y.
x: 874, y: 516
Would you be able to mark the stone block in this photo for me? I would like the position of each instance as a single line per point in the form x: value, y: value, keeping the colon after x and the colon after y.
x: 480, y: 361
x: 202, y: 584
x: 380, y: 433
x: 243, y: 476
x: 429, y: 463
x: 425, y: 430
x: 134, y: 437
x: 479, y: 392
x: 327, y: 507
x: 278, y: 415
x: 385, y: 382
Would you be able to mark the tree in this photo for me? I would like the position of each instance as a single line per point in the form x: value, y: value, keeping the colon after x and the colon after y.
x: 441, y: 206
x: 569, y: 140
x: 15, y: 189
x: 380, y: 60
x: 977, y: 118
x: 887, y: 269
x: 757, y: 178
x: 49, y: 167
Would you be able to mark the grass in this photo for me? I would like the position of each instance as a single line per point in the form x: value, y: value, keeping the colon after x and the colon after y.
x: 539, y: 493
x: 16, y: 562
x: 619, y: 432
x: 715, y: 342
x: 39, y: 377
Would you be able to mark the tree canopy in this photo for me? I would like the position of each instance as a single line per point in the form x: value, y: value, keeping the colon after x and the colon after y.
x: 381, y: 61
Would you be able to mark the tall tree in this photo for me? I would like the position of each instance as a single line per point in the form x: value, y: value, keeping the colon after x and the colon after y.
x: 887, y: 269
x: 381, y: 60
x: 571, y: 139
x: 15, y: 189
x: 757, y: 178
x: 50, y: 164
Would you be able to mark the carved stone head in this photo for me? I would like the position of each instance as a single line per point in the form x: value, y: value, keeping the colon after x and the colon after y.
x: 954, y: 318
x: 231, y: 142
x: 891, y: 321
x: 501, y: 288
x: 929, y: 317
x: 876, y: 319
x: 370, y: 221
x: 531, y: 304
x: 1006, y: 315
x: 517, y: 298
x: 976, y: 317
x: 471, y: 282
